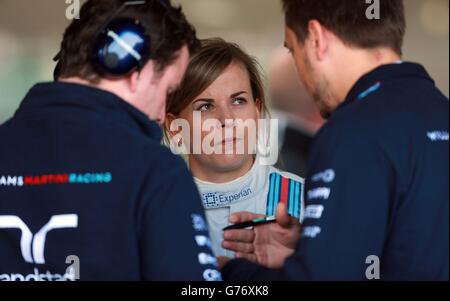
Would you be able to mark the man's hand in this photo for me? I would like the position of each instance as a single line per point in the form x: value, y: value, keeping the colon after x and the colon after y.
x: 268, y: 245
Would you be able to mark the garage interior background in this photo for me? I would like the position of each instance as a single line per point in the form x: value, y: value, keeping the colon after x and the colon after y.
x: 30, y: 33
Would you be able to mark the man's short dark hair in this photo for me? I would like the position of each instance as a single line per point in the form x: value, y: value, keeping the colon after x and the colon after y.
x: 348, y: 20
x: 166, y: 26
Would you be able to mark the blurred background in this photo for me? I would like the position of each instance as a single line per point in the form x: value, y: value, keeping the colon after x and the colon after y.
x: 30, y: 33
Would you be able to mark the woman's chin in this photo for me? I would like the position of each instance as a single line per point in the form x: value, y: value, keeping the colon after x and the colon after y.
x: 229, y: 162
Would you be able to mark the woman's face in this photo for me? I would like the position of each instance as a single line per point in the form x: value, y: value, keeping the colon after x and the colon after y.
x: 224, y: 107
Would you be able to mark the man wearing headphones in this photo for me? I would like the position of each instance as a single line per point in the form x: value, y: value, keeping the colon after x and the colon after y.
x: 83, y: 178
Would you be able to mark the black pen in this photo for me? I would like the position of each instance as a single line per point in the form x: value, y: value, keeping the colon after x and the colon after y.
x: 252, y: 223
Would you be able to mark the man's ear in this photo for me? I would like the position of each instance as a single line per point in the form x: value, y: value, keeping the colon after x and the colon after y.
x: 133, y: 81
x: 318, y: 38
x: 146, y: 75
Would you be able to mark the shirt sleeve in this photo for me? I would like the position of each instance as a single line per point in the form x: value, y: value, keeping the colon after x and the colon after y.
x: 346, y: 218
x: 174, y: 238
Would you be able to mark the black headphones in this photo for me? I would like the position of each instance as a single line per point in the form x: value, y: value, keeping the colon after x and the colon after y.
x: 121, y: 47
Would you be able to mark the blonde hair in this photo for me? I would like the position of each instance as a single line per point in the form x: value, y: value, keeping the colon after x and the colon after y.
x: 205, y: 66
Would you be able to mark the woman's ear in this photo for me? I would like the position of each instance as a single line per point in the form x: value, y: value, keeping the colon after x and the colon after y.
x: 175, y: 136
x: 259, y: 107
x: 169, y: 119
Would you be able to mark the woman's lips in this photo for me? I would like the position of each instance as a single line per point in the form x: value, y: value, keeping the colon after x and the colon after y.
x: 228, y: 141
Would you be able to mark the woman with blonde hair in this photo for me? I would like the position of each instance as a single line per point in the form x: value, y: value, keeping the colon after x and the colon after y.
x: 222, y: 91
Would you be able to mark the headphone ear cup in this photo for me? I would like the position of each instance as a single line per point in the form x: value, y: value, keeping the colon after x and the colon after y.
x: 121, y: 48
x: 111, y: 61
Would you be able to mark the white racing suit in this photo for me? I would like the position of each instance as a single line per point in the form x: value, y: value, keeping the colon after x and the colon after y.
x: 259, y: 191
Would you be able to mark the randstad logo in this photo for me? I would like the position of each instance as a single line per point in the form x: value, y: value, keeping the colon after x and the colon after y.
x: 33, y: 246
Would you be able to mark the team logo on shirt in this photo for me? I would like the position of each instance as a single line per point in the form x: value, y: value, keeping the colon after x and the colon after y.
x: 217, y: 199
x: 438, y: 136
x: 206, y: 259
x: 32, y: 246
x: 314, y: 211
x: 326, y: 176
x: 311, y: 231
x: 319, y: 193
x: 55, y: 179
x: 198, y: 223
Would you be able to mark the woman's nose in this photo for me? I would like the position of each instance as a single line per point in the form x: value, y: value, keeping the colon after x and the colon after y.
x: 226, y: 116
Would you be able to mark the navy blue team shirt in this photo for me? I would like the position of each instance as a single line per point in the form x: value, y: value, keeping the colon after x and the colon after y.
x: 82, y: 173
x: 377, y: 193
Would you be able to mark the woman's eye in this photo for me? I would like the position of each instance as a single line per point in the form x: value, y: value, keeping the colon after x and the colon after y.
x: 205, y: 107
x: 239, y: 101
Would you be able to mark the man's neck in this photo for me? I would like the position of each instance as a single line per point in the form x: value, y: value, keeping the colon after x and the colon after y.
x: 359, y: 63
x: 77, y: 80
x: 109, y: 86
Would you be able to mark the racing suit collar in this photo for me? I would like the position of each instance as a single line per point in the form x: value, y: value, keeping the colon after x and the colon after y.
x: 225, y: 186
x: 244, y: 187
x: 47, y: 96
x: 382, y: 74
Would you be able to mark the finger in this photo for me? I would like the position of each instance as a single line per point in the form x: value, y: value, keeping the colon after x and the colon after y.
x: 239, y: 235
x: 239, y: 247
x: 249, y: 257
x: 283, y: 218
x: 240, y: 217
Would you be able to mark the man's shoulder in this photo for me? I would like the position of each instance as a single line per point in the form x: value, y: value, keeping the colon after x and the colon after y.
x: 152, y: 154
x: 399, y: 108
x: 404, y: 102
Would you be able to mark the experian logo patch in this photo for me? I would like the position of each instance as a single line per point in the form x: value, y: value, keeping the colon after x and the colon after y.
x: 217, y: 200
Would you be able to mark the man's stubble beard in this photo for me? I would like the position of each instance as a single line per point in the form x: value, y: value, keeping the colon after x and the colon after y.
x: 319, y: 90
